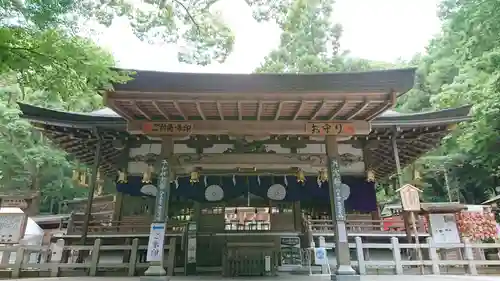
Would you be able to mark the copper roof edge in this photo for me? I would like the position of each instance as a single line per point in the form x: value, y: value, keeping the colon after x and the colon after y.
x: 446, y: 116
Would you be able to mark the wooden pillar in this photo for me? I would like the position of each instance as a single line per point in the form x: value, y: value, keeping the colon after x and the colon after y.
x: 123, y: 163
x: 368, y: 169
x: 344, y: 270
x: 297, y: 216
x: 93, y: 185
x: 399, y: 181
x: 117, y: 209
x: 396, y: 158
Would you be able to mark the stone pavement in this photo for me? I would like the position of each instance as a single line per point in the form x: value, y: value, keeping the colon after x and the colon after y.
x: 281, y: 278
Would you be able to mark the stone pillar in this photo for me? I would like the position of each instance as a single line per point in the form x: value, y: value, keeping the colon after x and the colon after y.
x: 156, y: 270
x: 344, y: 271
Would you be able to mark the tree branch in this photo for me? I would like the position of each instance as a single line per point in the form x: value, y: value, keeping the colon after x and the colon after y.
x: 189, y: 15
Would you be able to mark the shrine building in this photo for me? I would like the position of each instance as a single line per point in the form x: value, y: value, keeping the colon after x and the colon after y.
x: 244, y: 162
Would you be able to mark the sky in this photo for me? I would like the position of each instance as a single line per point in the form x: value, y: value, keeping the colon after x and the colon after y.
x: 382, y: 30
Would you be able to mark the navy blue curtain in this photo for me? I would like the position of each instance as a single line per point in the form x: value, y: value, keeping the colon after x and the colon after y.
x: 362, y: 196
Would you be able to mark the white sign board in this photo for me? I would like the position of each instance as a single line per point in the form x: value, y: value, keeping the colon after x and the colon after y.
x: 156, y: 242
x: 444, y: 228
x: 191, y: 249
x: 11, y: 227
x: 320, y: 256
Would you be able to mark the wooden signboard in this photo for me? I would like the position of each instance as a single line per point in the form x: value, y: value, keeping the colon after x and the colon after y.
x: 14, y: 203
x: 410, y: 197
x: 331, y: 128
x: 248, y: 127
x: 167, y: 128
x: 410, y: 201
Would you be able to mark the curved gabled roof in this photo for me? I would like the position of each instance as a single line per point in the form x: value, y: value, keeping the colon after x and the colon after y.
x: 106, y: 117
x: 378, y: 81
x: 74, y: 132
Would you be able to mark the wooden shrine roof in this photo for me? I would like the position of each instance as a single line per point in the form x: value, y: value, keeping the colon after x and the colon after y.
x: 379, y: 81
x: 158, y: 96
x: 76, y: 133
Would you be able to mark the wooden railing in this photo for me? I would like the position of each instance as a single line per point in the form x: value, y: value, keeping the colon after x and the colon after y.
x: 431, y: 263
x: 362, y: 226
x: 54, y: 259
x: 132, y: 224
x: 53, y: 262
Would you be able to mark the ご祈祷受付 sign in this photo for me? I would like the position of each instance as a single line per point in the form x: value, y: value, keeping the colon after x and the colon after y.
x: 167, y: 128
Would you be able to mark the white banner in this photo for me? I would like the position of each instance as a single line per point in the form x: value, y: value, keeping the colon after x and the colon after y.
x: 156, y: 242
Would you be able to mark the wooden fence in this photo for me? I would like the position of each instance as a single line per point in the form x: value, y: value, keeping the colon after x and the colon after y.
x: 53, y: 261
x: 363, y: 226
x: 431, y: 263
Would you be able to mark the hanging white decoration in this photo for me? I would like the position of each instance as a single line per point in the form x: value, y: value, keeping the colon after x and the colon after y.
x: 285, y: 180
x: 149, y: 189
x: 258, y: 180
x: 205, y: 181
x: 276, y: 192
x: 176, y: 182
x: 345, y: 191
x: 234, y: 180
x: 214, y: 193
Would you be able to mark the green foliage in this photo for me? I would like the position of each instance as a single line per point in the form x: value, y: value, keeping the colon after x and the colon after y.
x: 462, y: 67
x: 190, y: 23
x: 44, y: 63
x: 310, y: 40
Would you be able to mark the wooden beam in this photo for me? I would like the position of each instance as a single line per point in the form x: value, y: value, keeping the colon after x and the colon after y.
x: 219, y: 110
x: 377, y: 111
x: 317, y: 110
x: 259, y: 110
x: 242, y: 127
x: 200, y: 111
x: 160, y: 110
x: 390, y: 103
x: 403, y: 149
x: 337, y: 110
x: 178, y: 108
x: 278, y: 110
x: 358, y: 110
x: 142, y: 112
x: 114, y: 107
x: 299, y: 109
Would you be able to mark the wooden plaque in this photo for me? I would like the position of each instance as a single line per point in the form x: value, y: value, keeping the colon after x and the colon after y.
x: 331, y: 128
x: 410, y: 197
x: 167, y: 128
